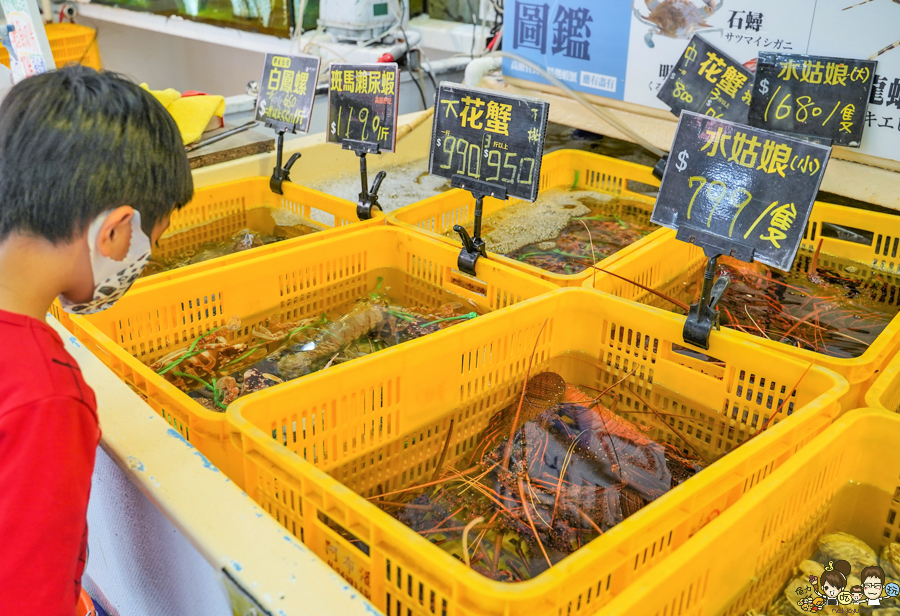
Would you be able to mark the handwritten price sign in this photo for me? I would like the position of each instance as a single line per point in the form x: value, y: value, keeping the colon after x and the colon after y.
x: 362, y: 104
x: 707, y: 81
x: 287, y: 92
x: 812, y: 95
x: 730, y: 185
x: 491, y: 137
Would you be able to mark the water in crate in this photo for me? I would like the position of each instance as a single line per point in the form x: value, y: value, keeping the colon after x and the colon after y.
x: 550, y: 472
x: 252, y: 352
x: 831, y: 306
x: 404, y: 185
x: 226, y: 236
x: 565, y: 231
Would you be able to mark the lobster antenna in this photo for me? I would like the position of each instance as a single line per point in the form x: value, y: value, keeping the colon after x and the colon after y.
x: 885, y: 50
x: 858, y: 4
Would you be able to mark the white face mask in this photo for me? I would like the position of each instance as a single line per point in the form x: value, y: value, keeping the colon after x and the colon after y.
x: 112, y: 278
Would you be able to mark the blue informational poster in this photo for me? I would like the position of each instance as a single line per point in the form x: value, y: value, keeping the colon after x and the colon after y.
x: 625, y: 49
x: 583, y: 43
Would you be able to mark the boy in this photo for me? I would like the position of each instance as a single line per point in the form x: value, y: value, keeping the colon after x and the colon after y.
x: 91, y: 167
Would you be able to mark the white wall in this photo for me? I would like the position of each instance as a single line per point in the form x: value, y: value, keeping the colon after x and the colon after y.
x: 166, y: 61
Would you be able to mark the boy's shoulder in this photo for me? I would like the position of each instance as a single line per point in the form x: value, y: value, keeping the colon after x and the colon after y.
x: 34, y: 365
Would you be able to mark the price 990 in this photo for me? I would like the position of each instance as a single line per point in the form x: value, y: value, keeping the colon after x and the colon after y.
x: 499, y: 166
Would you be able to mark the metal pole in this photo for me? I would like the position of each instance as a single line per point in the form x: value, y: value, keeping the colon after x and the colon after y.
x: 479, y: 202
x: 363, y: 173
x: 279, y: 150
x: 708, y: 276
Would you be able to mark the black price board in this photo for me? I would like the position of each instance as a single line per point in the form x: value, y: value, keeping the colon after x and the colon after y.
x: 287, y: 92
x: 812, y: 95
x: 362, y: 104
x: 739, y: 190
x: 707, y: 81
x: 490, y: 137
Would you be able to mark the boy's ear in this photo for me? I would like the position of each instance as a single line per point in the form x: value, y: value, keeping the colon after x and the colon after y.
x: 114, y: 237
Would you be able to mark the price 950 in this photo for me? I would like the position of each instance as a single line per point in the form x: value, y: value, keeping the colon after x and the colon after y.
x: 499, y: 166
x: 717, y: 193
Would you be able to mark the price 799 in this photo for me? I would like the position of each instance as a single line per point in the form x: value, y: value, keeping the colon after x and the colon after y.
x: 471, y: 156
x: 716, y: 192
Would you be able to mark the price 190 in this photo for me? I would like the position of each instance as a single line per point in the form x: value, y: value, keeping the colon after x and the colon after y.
x: 378, y: 132
x: 502, y: 166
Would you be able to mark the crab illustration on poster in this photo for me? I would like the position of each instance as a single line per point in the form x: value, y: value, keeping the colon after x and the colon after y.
x: 676, y: 18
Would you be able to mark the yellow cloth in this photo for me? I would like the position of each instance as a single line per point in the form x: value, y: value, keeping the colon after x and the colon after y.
x: 192, y: 113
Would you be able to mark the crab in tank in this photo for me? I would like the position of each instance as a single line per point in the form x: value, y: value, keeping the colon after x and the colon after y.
x: 678, y: 19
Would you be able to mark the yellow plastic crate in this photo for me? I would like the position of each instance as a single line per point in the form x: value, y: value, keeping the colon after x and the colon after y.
x: 885, y: 390
x: 225, y: 206
x: 384, y: 421
x: 68, y: 43
x: 294, y: 281
x: 561, y: 169
x: 743, y: 559
x: 669, y: 259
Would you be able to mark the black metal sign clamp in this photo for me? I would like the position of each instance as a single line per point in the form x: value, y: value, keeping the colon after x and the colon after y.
x: 368, y: 197
x: 704, y: 315
x: 474, y: 247
x: 660, y: 167
x: 281, y: 174
x: 748, y: 227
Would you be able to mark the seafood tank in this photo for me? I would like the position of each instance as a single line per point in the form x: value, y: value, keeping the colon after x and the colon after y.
x: 565, y: 231
x: 410, y: 183
x: 404, y: 184
x: 550, y: 472
x: 226, y: 236
x: 252, y: 352
x: 836, y: 308
x: 802, y: 592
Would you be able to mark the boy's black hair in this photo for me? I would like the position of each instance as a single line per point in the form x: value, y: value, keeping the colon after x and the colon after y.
x: 75, y: 143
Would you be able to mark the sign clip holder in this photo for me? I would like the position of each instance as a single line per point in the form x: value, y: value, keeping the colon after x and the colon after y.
x: 281, y: 174
x: 368, y: 198
x: 474, y: 247
x: 660, y: 167
x: 704, y: 315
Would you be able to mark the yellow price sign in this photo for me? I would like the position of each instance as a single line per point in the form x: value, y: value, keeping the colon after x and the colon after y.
x: 287, y: 92
x: 739, y: 190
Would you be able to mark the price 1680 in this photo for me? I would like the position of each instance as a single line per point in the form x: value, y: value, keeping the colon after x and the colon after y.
x: 500, y: 166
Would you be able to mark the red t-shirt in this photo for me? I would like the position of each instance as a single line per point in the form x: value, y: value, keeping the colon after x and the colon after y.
x: 48, y: 437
